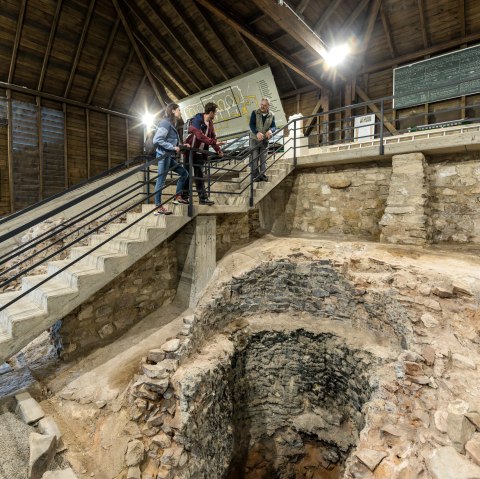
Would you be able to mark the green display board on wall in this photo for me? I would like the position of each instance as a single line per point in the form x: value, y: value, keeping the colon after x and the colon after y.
x: 440, y: 78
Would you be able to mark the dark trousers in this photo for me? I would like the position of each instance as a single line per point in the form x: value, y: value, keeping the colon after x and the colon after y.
x: 198, y: 165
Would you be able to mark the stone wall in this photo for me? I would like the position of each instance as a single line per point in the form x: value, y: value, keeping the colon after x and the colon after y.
x: 181, y: 405
x: 341, y: 200
x: 231, y: 229
x: 144, y: 287
x: 455, y: 197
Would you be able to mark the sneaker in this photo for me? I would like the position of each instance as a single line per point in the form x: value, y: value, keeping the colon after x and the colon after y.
x: 161, y: 210
x: 180, y: 200
x: 206, y: 201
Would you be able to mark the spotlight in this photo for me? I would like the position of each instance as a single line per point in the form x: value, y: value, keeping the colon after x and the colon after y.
x: 336, y: 55
x: 148, y: 120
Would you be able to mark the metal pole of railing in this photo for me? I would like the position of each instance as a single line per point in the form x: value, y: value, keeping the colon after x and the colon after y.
x: 146, y: 177
x: 295, y: 143
x: 190, y: 184
x: 251, y: 179
x: 208, y: 177
x: 382, y: 112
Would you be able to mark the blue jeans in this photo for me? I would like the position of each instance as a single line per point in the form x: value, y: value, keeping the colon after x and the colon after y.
x: 163, y: 167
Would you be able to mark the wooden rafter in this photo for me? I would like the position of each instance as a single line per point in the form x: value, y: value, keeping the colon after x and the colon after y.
x: 290, y: 24
x: 423, y: 23
x: 59, y: 99
x: 326, y: 15
x: 387, y: 30
x: 287, y: 74
x: 16, y: 42
x: 137, y: 92
x: 172, y: 83
x: 442, y: 47
x: 121, y: 78
x: 151, y: 29
x: 221, y: 39
x: 302, y: 7
x: 106, y: 54
x: 86, y: 23
x: 371, y: 23
x: 138, y: 52
x: 46, y: 57
x: 248, y: 48
x: 193, y: 31
x: 461, y: 17
x: 229, y: 18
x: 257, y: 18
x: 361, y: 6
x: 180, y: 41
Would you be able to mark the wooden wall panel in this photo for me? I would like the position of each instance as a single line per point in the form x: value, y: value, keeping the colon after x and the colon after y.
x: 98, y: 143
x: 4, y: 185
x: 53, y: 144
x: 76, y: 145
x: 135, y: 139
x: 119, y: 140
x: 25, y: 154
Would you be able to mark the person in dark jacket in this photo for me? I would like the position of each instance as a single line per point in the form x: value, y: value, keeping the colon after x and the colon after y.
x: 262, y: 126
x: 201, y: 135
x: 167, y: 142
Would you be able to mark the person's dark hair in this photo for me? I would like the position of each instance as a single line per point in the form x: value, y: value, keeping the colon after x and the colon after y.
x: 210, y: 107
x: 169, y: 115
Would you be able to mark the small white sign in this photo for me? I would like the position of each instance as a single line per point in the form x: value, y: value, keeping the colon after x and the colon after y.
x: 364, y: 128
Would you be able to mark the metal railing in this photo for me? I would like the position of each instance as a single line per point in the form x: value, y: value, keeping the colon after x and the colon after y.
x: 233, y: 175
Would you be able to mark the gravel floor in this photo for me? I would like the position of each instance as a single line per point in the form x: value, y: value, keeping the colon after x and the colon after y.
x: 14, y: 449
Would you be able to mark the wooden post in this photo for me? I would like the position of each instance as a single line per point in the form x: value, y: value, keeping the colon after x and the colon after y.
x: 463, y: 104
x: 87, y: 124
x: 10, y: 150
x: 348, y: 123
x: 325, y: 129
x: 65, y: 143
x: 40, y: 148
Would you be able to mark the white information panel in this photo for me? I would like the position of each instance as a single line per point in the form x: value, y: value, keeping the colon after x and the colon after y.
x: 364, y: 128
x: 236, y: 99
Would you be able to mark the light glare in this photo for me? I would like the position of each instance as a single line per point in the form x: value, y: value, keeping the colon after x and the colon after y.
x: 148, y: 119
x: 337, y: 54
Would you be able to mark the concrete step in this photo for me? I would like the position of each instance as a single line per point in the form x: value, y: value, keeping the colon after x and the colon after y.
x: 76, y: 276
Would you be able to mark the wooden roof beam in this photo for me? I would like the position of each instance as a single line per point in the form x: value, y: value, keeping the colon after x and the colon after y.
x: 16, y: 42
x: 302, y: 7
x: 179, y: 90
x: 326, y: 15
x: 216, y: 33
x: 121, y: 78
x: 287, y: 74
x: 423, y: 24
x: 46, y: 57
x: 86, y: 23
x: 229, y: 18
x: 361, y: 6
x: 137, y: 92
x: 387, y: 30
x: 106, y: 54
x: 180, y: 41
x: 195, y: 35
x: 461, y: 16
x: 371, y: 23
x: 248, y: 48
x: 151, y: 29
x: 257, y: 18
x: 138, y: 52
x: 418, y: 54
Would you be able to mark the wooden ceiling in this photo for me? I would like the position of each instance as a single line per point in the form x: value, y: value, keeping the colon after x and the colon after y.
x: 124, y: 54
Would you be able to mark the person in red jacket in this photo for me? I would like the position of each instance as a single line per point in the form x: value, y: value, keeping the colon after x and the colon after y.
x: 201, y: 135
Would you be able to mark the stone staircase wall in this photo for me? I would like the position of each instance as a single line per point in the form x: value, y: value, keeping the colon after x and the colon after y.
x: 405, y: 218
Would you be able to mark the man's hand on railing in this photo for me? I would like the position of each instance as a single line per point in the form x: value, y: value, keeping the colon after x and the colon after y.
x: 220, y: 153
x: 260, y: 136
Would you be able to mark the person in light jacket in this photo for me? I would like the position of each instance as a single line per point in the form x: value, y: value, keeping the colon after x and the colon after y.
x: 167, y: 142
x: 262, y: 127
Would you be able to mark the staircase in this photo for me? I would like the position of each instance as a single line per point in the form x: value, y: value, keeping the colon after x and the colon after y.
x: 40, y: 308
